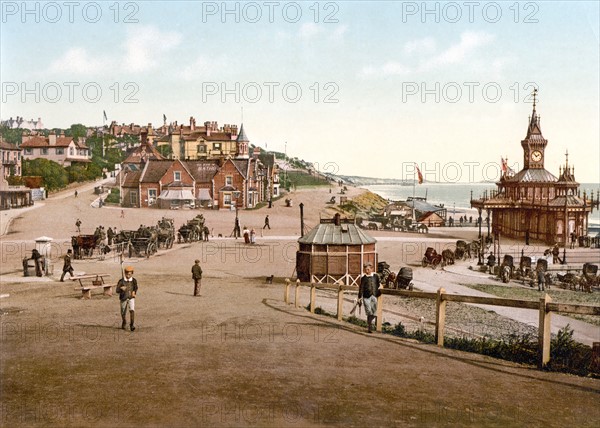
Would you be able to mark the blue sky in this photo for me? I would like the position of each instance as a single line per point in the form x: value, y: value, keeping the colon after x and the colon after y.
x: 360, y: 88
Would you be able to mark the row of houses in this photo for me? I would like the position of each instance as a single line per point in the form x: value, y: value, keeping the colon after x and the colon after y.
x: 216, y: 183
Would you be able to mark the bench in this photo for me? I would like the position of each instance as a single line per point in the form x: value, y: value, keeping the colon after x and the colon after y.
x: 97, y: 282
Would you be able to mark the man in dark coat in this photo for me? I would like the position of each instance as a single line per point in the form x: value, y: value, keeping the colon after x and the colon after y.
x: 369, y: 292
x: 197, y: 277
x: 67, y: 266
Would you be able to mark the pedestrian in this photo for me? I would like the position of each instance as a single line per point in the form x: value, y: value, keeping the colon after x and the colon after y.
x: 491, y: 262
x: 252, y: 236
x: 127, y: 288
x: 555, y: 253
x: 110, y: 234
x: 197, y: 277
x: 122, y: 213
x: 206, y: 232
x: 78, y: 224
x: 38, y: 261
x: 573, y: 239
x: 541, y: 277
x: 368, y: 293
x: 236, y: 228
x: 67, y: 266
x: 76, y: 193
x: 267, y: 222
x: 246, y: 234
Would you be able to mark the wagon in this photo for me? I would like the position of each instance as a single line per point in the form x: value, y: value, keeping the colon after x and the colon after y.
x: 431, y: 258
x: 404, y: 278
x: 144, y: 243
x: 166, y: 233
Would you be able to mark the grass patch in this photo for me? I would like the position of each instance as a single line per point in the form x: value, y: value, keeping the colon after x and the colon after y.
x: 558, y: 295
x: 301, y: 179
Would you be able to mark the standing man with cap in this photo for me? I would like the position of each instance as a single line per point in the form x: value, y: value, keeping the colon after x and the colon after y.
x: 127, y: 288
x: 197, y: 277
x: 369, y: 292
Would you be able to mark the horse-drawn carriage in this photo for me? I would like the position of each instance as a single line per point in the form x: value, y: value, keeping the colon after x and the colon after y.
x: 191, y: 231
x: 404, y: 278
x: 144, y: 242
x: 166, y: 233
x: 590, y: 277
x: 391, y: 280
x: 84, y: 245
x: 431, y: 258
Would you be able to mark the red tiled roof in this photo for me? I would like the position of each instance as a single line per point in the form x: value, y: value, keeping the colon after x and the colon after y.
x: 132, y: 179
x: 33, y: 142
x: 7, y: 146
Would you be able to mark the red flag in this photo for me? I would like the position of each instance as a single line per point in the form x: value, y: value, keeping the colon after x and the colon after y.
x: 419, y: 174
x: 504, y: 165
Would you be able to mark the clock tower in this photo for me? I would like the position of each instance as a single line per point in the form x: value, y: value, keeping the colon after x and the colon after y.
x: 534, y: 143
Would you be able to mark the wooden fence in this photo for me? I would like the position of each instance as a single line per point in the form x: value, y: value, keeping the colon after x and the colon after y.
x: 545, y: 307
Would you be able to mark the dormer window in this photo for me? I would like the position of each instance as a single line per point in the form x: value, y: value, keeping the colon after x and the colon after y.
x: 177, y: 175
x: 229, y: 180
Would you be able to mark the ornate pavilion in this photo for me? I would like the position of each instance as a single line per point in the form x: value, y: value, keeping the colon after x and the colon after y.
x: 533, y: 203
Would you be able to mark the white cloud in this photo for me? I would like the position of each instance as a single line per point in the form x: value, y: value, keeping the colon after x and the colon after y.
x: 426, y: 45
x: 457, y: 53
x: 309, y: 30
x: 145, y: 45
x: 79, y: 61
x: 339, y: 32
x: 390, y: 68
x: 202, y: 66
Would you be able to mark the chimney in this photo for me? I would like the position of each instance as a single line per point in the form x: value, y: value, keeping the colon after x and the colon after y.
x: 52, y: 138
x: 150, y: 129
x: 207, y: 127
x: 192, y: 123
x: 256, y: 152
x: 337, y: 219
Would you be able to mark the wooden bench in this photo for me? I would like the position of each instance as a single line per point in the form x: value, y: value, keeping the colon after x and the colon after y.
x: 97, y: 282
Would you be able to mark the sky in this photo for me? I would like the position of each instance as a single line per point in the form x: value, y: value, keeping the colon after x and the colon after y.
x: 358, y: 88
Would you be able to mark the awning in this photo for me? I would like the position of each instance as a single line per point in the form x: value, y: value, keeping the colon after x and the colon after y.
x: 176, y: 195
x: 204, y: 195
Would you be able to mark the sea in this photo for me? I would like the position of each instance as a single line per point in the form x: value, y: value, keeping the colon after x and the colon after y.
x: 456, y: 197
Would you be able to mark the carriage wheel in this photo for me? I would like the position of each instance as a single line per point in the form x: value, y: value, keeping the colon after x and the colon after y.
x: 150, y: 249
x: 424, y: 262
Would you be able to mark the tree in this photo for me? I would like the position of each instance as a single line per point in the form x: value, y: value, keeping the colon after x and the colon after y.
x: 55, y: 177
x: 165, y: 150
x: 12, y: 136
x: 77, y: 131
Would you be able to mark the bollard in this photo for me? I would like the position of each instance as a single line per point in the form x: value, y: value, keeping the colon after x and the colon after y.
x: 297, y: 294
x: 313, y: 292
x: 286, y: 293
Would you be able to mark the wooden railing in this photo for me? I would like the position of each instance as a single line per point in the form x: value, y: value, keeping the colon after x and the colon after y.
x: 545, y: 307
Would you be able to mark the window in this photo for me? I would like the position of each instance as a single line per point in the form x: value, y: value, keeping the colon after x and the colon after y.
x: 229, y: 180
x: 227, y: 199
x: 151, y: 194
x: 133, y: 198
x: 177, y: 175
x: 216, y: 146
x: 28, y: 151
x: 44, y: 151
x: 201, y: 148
x: 71, y: 152
x: 60, y: 151
x: 275, y: 191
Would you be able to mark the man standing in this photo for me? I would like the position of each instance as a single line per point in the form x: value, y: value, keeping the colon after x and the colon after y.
x: 369, y: 292
x: 127, y: 288
x: 67, y: 266
x: 555, y: 253
x: 267, y: 222
x: 197, y: 277
x: 78, y: 224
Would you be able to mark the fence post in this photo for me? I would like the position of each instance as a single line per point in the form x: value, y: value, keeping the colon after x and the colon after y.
x: 544, y: 332
x: 313, y: 292
x: 379, y: 314
x: 440, y: 317
x: 340, y: 303
x: 286, y: 292
x: 297, y: 294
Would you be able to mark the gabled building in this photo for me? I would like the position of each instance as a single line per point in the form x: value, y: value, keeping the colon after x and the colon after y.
x: 11, y: 159
x: 60, y: 149
x: 533, y: 203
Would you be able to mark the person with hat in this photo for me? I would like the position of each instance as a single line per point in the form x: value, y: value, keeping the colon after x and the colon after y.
x: 196, y: 276
x: 368, y: 293
x: 127, y: 288
x: 67, y: 266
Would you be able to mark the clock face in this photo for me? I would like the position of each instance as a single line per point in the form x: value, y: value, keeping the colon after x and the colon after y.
x: 536, y: 156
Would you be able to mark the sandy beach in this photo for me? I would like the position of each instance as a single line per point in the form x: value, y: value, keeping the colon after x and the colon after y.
x: 237, y: 355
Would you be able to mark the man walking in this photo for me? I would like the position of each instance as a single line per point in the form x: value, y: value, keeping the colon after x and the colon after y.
x: 78, y: 224
x: 267, y: 222
x: 369, y: 292
x: 67, y: 266
x: 127, y: 288
x: 197, y: 277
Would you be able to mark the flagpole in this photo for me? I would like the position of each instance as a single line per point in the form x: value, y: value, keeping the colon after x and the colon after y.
x: 413, y: 201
